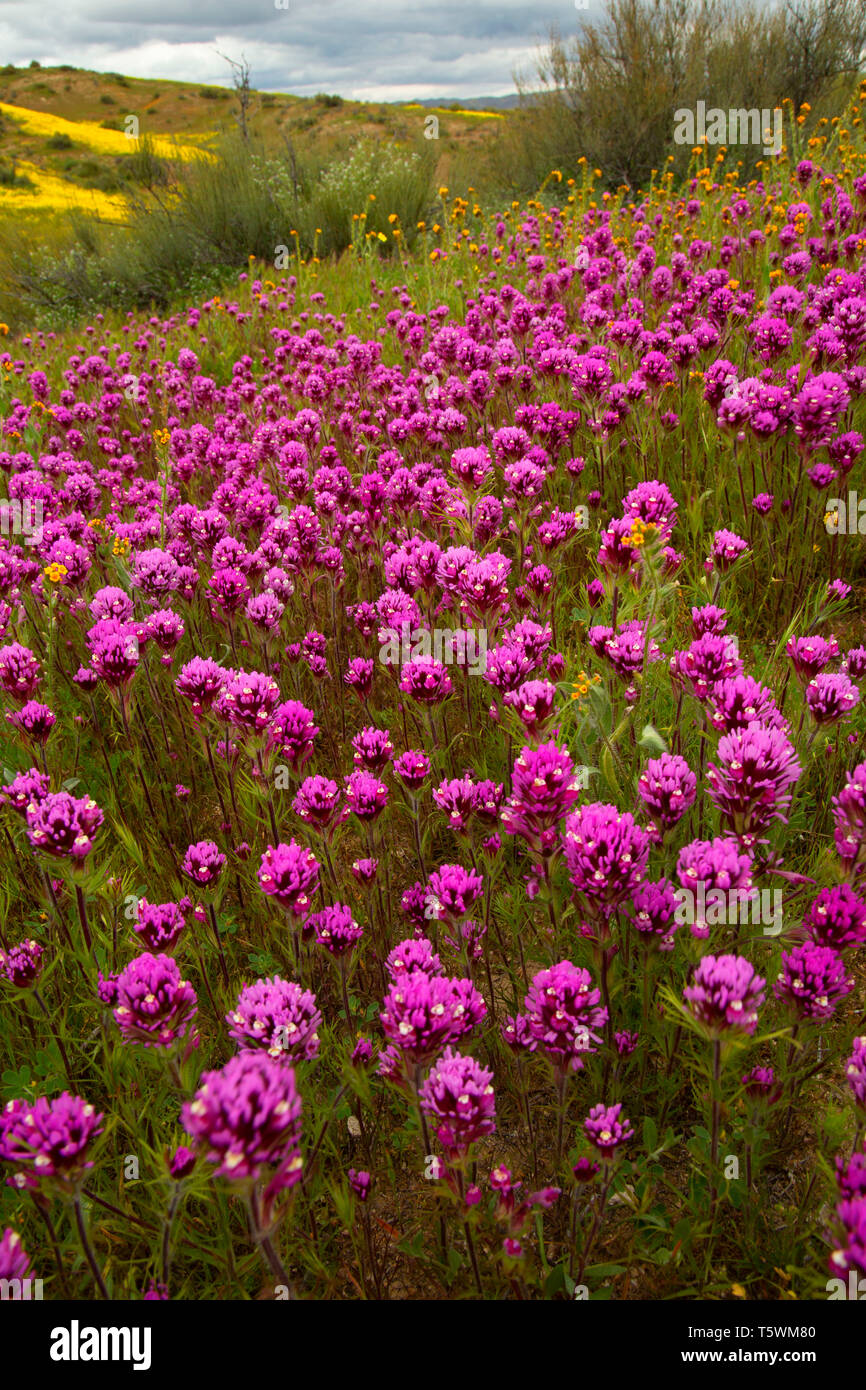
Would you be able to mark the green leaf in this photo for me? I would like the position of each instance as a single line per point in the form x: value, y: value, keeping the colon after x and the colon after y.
x: 17, y: 1081
x: 650, y: 1134
x: 558, y: 1280
x: 605, y: 1271
x: 609, y: 774
x: 652, y: 739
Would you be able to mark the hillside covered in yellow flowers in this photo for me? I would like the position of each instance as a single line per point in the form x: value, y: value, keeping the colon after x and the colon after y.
x: 73, y: 139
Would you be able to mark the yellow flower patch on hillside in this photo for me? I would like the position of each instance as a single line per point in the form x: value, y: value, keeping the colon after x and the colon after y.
x: 52, y: 194
x: 93, y: 136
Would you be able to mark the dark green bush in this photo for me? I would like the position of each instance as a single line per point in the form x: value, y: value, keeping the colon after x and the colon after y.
x: 609, y: 93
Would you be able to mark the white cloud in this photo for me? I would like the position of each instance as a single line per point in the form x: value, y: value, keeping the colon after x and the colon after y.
x: 370, y: 49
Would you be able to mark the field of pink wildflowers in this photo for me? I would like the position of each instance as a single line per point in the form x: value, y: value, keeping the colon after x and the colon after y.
x: 433, y: 823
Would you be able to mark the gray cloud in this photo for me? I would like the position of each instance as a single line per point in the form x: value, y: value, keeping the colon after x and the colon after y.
x: 369, y: 49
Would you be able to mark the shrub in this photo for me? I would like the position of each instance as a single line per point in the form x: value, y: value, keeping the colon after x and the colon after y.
x: 609, y: 94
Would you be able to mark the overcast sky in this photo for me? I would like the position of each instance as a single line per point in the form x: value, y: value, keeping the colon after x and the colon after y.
x: 378, y: 50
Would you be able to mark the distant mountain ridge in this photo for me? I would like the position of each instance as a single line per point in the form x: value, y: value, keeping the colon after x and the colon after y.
x: 465, y: 103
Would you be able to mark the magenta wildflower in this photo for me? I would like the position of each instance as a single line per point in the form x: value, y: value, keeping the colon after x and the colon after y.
x: 760, y: 1084
x: 710, y: 659
x: 751, y: 781
x: 458, y: 1092
x: 545, y: 785
x: 564, y: 1013
x: 229, y: 589
x: 412, y: 768
x: 810, y: 655
x: 652, y: 503
x: 854, y: 664
x: 155, y: 572
x: 452, y: 892
x: 373, y: 750
x: 653, y: 915
x: 292, y: 731
x: 717, y: 865
x: 278, y: 1017
x: 34, y: 720
x: 517, y: 1034
x: 360, y: 1183
x: 22, y: 963
x: 426, y: 680
x: 335, y: 928
x: 159, y: 925
x: 606, y: 852
x: 422, y: 1013
x: 726, y: 993
x: 318, y: 803
x: 366, y: 796
x: 850, y: 1253
x: 667, y: 786
x: 362, y: 1052
x: 812, y: 980
x: 830, y: 697
x: 534, y: 704
x: 586, y: 1170
x: 727, y: 548
x: 290, y: 873
x: 837, y: 918
x: 359, y: 676
x: 605, y: 1129
x: 20, y: 672
x: 626, y: 648
x: 849, y: 819
x: 246, y: 1115
x: 25, y: 788
x: 738, y: 701
x: 617, y: 553
x: 63, y: 825
x: 14, y: 1260
x: 203, y: 863
x: 855, y: 1072
x: 247, y: 700
x: 458, y: 798
x: 154, y: 1006
x: 200, y: 681
x: 50, y: 1138
x: 823, y: 398
x: 416, y: 953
